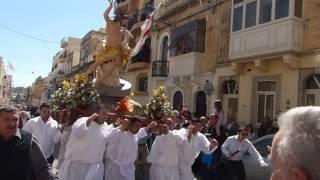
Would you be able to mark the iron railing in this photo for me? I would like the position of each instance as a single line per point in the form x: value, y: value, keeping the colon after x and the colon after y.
x: 160, y: 68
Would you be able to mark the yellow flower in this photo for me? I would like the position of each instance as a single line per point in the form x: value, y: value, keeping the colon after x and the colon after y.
x: 66, y: 84
x: 155, y: 92
x: 161, y: 88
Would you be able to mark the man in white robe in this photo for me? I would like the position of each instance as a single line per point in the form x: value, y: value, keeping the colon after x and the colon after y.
x: 122, y: 150
x: 164, y: 154
x: 85, y: 148
x: 46, y: 130
x: 189, y: 150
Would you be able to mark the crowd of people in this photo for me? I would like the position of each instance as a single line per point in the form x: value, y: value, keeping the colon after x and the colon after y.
x: 106, y: 146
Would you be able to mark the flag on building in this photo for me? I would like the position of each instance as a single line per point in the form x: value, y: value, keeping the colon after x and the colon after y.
x: 145, y: 32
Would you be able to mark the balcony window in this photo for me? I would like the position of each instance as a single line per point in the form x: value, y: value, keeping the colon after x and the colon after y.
x: 298, y: 8
x: 251, y: 14
x: 237, y: 19
x: 265, y: 11
x: 282, y: 9
x: 188, y: 38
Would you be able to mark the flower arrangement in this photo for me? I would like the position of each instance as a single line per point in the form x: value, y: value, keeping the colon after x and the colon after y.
x: 62, y: 97
x: 159, y: 102
x: 80, y: 93
x: 127, y: 106
x: 84, y: 93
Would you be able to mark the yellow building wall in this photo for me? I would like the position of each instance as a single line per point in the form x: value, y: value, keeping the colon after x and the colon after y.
x: 287, y: 87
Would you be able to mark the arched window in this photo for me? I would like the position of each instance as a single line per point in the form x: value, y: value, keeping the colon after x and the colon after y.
x: 164, y: 48
x: 177, y: 100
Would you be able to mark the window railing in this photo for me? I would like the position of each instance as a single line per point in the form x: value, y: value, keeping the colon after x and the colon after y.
x: 160, y: 68
x: 139, y: 16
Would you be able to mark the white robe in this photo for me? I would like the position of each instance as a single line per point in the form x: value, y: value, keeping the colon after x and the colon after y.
x: 84, y: 152
x: 122, y: 150
x: 164, y: 157
x: 189, y: 151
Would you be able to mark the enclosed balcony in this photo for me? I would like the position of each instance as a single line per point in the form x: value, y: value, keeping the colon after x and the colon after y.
x: 264, y: 27
x: 187, y: 48
x: 160, y: 68
x: 186, y: 64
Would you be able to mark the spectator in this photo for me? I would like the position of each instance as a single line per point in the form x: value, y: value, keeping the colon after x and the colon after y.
x: 232, y: 127
x: 295, y: 152
x: 266, y: 127
x: 251, y: 133
x: 219, y: 112
x: 21, y: 157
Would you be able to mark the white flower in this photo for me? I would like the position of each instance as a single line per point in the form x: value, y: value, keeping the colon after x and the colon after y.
x: 83, y: 99
x: 59, y: 89
x: 154, y: 101
x: 82, y: 85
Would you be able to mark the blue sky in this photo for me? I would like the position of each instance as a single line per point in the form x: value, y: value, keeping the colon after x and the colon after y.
x: 47, y: 19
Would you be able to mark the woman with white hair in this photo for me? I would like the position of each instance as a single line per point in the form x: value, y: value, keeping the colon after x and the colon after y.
x: 296, y: 147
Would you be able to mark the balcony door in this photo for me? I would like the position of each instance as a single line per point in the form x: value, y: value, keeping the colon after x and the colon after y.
x: 177, y: 101
x: 230, y: 99
x: 201, y: 104
x: 266, y: 99
x: 312, y: 94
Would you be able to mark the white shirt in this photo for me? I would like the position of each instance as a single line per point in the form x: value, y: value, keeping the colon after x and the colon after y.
x: 47, y: 134
x: 233, y: 144
x: 86, y: 144
x: 189, y: 151
x: 122, y: 149
x: 164, y: 150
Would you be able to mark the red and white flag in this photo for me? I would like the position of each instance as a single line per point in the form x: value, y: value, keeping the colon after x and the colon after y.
x: 145, y: 32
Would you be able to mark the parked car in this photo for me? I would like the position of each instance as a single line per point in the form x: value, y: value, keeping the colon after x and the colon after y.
x: 252, y: 167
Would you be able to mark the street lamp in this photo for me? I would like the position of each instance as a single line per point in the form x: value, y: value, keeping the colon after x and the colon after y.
x: 208, y: 88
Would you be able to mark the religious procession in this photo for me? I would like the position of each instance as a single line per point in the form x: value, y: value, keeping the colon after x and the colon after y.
x: 93, y: 128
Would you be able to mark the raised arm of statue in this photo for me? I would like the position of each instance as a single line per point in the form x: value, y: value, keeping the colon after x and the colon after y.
x: 107, y: 12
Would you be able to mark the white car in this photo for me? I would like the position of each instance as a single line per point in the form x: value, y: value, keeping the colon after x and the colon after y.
x: 252, y: 167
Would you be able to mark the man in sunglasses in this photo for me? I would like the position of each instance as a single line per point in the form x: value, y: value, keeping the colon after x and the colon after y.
x: 234, y: 148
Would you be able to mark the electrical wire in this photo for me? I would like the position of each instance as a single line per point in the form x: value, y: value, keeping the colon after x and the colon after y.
x: 27, y: 35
